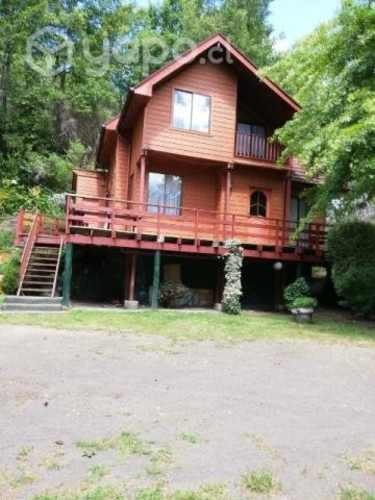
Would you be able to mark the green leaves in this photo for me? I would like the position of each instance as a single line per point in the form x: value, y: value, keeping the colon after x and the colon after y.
x: 332, y: 74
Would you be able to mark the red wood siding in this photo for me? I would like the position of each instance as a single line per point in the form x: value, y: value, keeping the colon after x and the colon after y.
x: 199, y: 186
x: 244, y: 181
x: 89, y: 183
x: 217, y: 81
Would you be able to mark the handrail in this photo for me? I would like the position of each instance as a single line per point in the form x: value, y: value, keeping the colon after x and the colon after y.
x: 194, y: 223
x: 57, y: 267
x: 27, y: 250
x: 257, y: 147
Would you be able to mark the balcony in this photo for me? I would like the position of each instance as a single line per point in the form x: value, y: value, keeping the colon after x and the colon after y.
x: 133, y: 225
x: 257, y: 147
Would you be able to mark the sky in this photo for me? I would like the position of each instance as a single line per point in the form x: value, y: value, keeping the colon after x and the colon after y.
x: 295, y: 18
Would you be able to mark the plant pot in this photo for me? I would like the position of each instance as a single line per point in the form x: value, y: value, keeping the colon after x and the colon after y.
x: 303, y: 314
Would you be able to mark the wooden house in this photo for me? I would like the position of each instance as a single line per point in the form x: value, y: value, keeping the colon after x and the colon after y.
x: 189, y: 163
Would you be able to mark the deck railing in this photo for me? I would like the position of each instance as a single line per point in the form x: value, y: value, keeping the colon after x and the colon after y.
x: 257, y: 147
x: 116, y: 218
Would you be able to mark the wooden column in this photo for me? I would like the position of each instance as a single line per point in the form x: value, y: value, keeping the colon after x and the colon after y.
x: 142, y: 180
x: 286, y: 214
x: 67, y: 277
x: 156, y: 281
x: 228, y: 187
x: 132, y: 275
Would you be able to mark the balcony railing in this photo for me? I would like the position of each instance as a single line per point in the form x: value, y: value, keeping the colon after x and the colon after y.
x: 123, y: 218
x: 112, y: 219
x: 257, y: 147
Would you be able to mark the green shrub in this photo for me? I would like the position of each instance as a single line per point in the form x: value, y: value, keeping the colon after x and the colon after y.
x: 351, y: 248
x: 233, y: 286
x: 173, y: 294
x: 296, y: 290
x: 304, y: 303
x: 11, y: 270
x: 6, y: 239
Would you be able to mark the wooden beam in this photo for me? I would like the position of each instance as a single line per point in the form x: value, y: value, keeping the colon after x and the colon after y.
x: 142, y: 179
x: 132, y: 276
x: 67, y: 277
x: 156, y: 281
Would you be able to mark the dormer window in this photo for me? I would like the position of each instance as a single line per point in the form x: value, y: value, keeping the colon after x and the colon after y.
x: 191, y: 111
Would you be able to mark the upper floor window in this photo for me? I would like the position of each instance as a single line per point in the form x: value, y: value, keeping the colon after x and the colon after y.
x: 191, y: 111
x: 164, y: 193
x: 258, y: 204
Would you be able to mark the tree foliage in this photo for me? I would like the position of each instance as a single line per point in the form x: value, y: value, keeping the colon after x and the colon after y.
x: 49, y: 122
x: 351, y: 249
x: 332, y: 74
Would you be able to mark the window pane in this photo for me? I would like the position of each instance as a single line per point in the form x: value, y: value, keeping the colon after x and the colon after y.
x: 201, y: 113
x: 182, y: 109
x: 164, y: 190
x: 258, y: 204
x: 156, y: 188
x: 173, y: 194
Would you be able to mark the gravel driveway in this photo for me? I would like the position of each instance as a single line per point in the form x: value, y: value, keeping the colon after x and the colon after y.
x: 200, y: 413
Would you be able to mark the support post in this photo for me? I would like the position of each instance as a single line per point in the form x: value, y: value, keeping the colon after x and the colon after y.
x: 142, y: 180
x: 287, y: 200
x: 130, y: 302
x: 156, y: 281
x: 67, y: 277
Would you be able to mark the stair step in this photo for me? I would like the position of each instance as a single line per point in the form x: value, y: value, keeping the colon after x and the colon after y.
x: 42, y: 264
x: 36, y: 290
x: 41, y: 270
x: 43, y: 259
x: 22, y: 299
x: 46, y: 277
x: 30, y: 282
x: 32, y: 307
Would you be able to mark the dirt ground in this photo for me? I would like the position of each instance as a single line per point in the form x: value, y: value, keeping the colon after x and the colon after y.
x: 201, y: 413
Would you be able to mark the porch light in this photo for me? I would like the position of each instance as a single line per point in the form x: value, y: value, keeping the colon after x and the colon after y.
x: 278, y: 266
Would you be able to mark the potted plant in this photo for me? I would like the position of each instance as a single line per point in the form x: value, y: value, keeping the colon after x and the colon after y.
x: 299, y: 300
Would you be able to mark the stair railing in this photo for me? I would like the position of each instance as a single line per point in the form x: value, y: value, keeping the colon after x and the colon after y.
x: 57, y: 267
x: 28, y: 248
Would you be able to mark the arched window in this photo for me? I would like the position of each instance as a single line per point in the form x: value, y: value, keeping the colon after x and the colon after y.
x: 258, y: 204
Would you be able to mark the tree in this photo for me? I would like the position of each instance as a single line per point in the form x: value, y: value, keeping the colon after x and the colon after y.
x: 331, y: 73
x: 351, y: 249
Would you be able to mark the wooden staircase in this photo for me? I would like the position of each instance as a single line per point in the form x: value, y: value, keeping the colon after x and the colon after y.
x: 41, y: 273
x: 39, y: 265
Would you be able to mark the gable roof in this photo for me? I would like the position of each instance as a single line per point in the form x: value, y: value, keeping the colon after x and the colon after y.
x: 139, y: 95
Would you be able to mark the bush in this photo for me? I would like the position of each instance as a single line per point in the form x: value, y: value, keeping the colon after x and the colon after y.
x: 304, y: 303
x: 296, y: 290
x: 351, y: 248
x: 6, y: 239
x: 233, y: 286
x: 174, y: 294
x: 11, y: 270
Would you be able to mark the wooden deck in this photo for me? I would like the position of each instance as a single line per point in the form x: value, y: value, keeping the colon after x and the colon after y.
x: 128, y: 224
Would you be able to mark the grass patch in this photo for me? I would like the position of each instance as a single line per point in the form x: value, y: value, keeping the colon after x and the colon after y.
x: 97, y: 472
x: 24, y: 453
x: 207, y: 492
x: 159, y: 461
x: 190, y: 437
x: 260, y: 482
x: 96, y: 493
x: 126, y: 443
x: 355, y: 494
x: 51, y: 463
x: 365, y: 462
x: 199, y: 326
